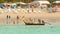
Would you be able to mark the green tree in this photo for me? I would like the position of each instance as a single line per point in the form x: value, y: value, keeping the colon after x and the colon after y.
x: 26, y: 1
x: 51, y: 2
x: 2, y: 1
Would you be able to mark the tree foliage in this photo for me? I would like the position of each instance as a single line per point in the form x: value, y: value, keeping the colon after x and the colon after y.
x: 1, y: 1
x: 51, y: 3
x: 26, y: 1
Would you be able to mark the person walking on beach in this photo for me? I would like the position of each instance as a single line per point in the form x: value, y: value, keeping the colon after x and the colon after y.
x: 17, y: 19
x: 23, y: 18
x: 39, y: 21
x: 8, y: 18
x: 30, y: 20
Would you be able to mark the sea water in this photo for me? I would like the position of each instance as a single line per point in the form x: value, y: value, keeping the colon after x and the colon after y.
x: 29, y: 29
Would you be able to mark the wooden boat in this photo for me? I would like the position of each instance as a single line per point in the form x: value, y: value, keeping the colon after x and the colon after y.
x: 33, y: 24
x: 40, y: 23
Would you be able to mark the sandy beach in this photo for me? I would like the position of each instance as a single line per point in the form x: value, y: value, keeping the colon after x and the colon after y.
x: 49, y: 17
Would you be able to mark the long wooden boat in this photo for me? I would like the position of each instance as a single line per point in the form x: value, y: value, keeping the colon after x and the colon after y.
x: 40, y: 23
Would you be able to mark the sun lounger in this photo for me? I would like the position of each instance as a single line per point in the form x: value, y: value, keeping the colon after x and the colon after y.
x: 18, y: 10
x: 5, y: 10
x: 34, y: 11
x: 39, y: 11
x: 9, y: 10
x: 15, y: 11
x: 1, y: 11
x: 25, y: 11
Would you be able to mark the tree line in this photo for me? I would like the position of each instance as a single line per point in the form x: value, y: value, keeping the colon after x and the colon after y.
x: 26, y: 1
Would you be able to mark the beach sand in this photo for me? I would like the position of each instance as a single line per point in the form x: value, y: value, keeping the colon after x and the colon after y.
x: 49, y: 17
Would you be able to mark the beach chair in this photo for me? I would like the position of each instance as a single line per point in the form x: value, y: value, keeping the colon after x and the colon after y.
x: 9, y: 9
x: 6, y: 10
x: 30, y: 11
x: 39, y: 11
x: 34, y: 11
x: 15, y: 11
x: 24, y: 11
x: 1, y: 11
x: 18, y: 10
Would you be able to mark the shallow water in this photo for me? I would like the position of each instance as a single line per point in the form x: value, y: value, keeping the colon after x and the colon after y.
x: 32, y: 29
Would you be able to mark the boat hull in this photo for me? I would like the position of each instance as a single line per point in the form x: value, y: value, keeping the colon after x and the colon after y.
x: 33, y: 24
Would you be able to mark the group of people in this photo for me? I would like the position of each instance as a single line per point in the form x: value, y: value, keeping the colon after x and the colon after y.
x: 24, y: 19
x: 52, y: 9
x: 9, y: 17
x: 15, y: 20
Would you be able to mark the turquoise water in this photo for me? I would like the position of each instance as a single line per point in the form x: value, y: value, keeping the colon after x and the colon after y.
x: 25, y: 29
